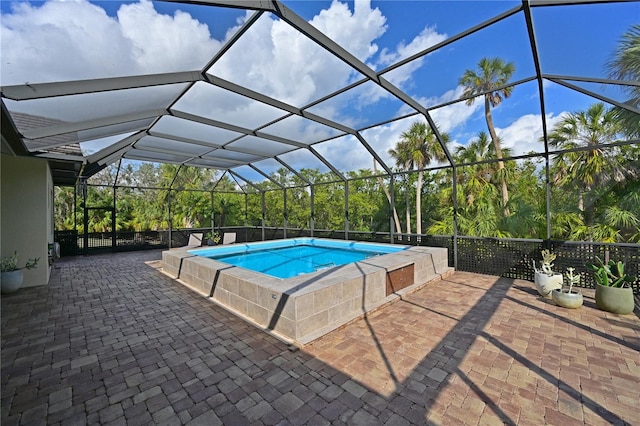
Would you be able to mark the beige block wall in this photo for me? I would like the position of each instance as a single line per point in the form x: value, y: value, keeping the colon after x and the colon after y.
x: 26, y: 222
x: 306, y: 311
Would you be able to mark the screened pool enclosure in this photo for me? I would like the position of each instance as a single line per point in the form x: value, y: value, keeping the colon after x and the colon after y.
x: 494, y: 129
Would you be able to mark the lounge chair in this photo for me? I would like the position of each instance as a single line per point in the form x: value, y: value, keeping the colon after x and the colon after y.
x: 229, y: 238
x: 195, y: 239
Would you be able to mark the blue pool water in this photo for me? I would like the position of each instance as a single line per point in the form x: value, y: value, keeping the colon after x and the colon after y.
x: 289, y: 258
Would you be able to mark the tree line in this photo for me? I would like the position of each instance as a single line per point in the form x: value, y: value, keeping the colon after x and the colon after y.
x: 594, y: 195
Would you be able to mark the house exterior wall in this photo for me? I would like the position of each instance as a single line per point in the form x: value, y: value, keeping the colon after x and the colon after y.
x: 26, y: 222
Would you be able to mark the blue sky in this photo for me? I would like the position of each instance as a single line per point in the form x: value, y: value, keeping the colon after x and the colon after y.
x: 121, y: 38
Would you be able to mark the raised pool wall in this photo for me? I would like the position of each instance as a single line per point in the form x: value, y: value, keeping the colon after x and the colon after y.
x: 303, y: 308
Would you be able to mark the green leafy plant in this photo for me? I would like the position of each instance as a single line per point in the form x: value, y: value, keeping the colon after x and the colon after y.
x: 572, y: 278
x: 214, y: 236
x: 10, y: 263
x: 610, y: 274
x: 545, y: 265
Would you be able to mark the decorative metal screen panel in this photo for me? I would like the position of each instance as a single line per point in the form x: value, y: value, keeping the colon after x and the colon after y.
x: 578, y: 254
x: 503, y: 257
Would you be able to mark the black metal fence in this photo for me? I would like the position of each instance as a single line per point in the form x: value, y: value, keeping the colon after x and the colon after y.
x: 504, y: 257
x: 514, y: 258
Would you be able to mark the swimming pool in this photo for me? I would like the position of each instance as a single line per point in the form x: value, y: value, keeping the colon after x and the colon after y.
x: 290, y: 258
x: 306, y: 306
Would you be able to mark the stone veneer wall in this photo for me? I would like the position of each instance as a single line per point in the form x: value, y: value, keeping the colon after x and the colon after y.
x: 304, y: 308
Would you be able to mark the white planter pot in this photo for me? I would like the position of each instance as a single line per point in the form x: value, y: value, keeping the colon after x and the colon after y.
x: 571, y: 300
x: 12, y: 281
x: 545, y: 284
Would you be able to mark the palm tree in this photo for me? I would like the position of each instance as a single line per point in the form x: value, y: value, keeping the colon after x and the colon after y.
x: 396, y: 220
x: 591, y: 168
x: 479, y: 207
x: 401, y: 154
x: 225, y: 207
x: 417, y: 148
x: 492, y: 74
x: 478, y: 175
x: 625, y: 65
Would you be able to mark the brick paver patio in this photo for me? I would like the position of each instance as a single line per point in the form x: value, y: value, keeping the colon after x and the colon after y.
x: 112, y: 340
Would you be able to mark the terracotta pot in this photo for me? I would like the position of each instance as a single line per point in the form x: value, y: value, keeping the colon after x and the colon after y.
x: 546, y: 283
x: 567, y: 300
x: 12, y: 281
x: 618, y: 300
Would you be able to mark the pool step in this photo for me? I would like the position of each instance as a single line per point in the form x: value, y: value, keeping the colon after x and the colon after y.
x: 324, y: 266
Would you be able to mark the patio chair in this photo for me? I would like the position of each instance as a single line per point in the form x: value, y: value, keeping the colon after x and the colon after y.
x: 229, y: 238
x: 195, y: 239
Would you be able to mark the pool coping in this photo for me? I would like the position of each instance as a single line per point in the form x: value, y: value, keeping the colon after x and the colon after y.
x: 303, y: 308
x: 232, y: 249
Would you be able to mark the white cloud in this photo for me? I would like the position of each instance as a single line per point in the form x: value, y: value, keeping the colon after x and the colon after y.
x: 402, y: 76
x: 449, y: 117
x: 523, y: 135
x: 165, y: 43
x: 354, y: 31
x: 276, y: 59
x: 61, y: 41
x: 69, y: 40
x: 428, y: 37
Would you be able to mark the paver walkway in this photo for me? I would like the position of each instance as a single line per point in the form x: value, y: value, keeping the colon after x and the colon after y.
x: 113, y: 341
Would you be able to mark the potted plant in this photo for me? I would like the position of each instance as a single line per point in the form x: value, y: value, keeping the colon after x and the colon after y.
x: 613, y: 287
x: 569, y: 299
x: 12, y: 275
x: 213, y: 238
x: 546, y: 279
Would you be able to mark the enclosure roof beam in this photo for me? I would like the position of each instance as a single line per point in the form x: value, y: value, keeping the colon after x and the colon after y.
x: 327, y: 163
x: 256, y: 96
x: 90, y: 124
x: 320, y: 38
x: 115, y: 180
x: 628, y: 107
x: 539, y: 3
x: 292, y: 170
x: 227, y: 45
x: 113, y: 156
x: 591, y: 80
x: 266, y: 176
x: 478, y: 94
x: 451, y: 102
x: 118, y: 147
x: 536, y: 62
x: 416, y: 106
x: 231, y: 41
x: 30, y: 91
x: 236, y: 4
x: 237, y: 129
x: 183, y: 139
x: 165, y: 151
x: 235, y: 175
x: 78, y: 140
x: 219, y: 180
x: 175, y: 177
x: 10, y: 133
x: 373, y: 152
x: 211, y: 145
x: 59, y: 156
x: 453, y: 39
